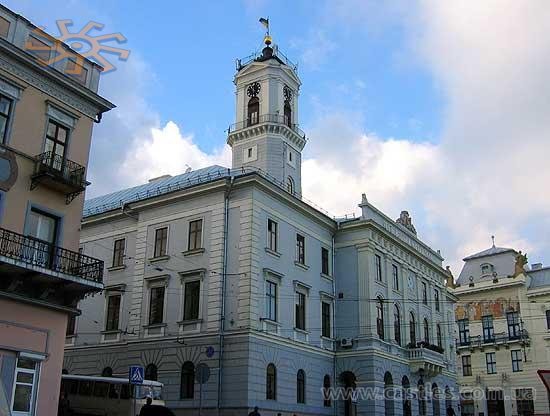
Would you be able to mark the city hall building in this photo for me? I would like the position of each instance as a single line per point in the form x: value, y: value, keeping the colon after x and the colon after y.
x: 232, y: 268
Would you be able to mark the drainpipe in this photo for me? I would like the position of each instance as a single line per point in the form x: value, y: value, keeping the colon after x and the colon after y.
x: 224, y: 280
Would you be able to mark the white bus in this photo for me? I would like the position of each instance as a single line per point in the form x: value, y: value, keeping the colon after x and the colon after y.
x: 107, y: 396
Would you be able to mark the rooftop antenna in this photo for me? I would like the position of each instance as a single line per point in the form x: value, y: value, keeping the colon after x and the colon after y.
x: 493, y: 238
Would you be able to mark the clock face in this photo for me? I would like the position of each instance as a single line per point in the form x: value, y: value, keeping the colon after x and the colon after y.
x: 253, y: 89
x: 287, y: 93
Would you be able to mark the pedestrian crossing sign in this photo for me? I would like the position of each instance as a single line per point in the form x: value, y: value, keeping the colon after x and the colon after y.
x: 135, y: 375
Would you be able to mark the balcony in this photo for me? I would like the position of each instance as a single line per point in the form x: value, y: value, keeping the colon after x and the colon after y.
x: 34, y: 268
x: 60, y: 174
x: 426, y: 358
x: 499, y: 339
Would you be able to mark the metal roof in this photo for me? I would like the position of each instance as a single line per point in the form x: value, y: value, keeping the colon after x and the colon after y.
x: 489, y: 252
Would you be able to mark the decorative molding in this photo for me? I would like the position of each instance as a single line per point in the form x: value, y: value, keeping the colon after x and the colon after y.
x: 58, y: 114
x: 10, y: 89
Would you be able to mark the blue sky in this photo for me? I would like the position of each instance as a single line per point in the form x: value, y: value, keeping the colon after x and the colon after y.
x: 440, y: 108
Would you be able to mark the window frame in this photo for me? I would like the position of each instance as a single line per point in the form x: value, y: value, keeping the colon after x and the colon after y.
x: 107, y: 326
x: 271, y: 382
x: 271, y: 300
x: 190, y: 378
x: 548, y: 319
x: 300, y: 310
x: 157, y: 250
x: 466, y: 365
x: 427, y: 337
x: 514, y: 329
x: 300, y: 249
x: 380, y: 330
x: 7, y: 117
x: 488, y: 328
x: 378, y: 267
x: 412, y: 328
x: 192, y: 235
x: 119, y: 256
x: 395, y: 276
x: 436, y: 300
x: 185, y: 283
x: 326, y: 319
x: 491, y: 366
x: 397, y: 324
x: 464, y: 331
x: 149, y: 303
x: 56, y: 141
x: 424, y: 293
x: 325, y: 261
x: 301, y: 387
x: 34, y: 385
x: 272, y: 235
x: 439, y: 335
x: 517, y: 361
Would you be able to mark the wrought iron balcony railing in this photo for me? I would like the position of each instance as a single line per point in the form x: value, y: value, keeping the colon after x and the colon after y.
x: 497, y: 339
x: 266, y: 118
x: 38, y: 253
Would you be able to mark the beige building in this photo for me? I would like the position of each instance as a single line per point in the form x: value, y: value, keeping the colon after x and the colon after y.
x: 503, y: 317
x: 48, y: 105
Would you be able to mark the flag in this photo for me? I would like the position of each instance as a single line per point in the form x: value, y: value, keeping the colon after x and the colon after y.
x: 265, y: 22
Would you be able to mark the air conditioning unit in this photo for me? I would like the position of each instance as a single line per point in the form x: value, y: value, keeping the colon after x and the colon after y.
x: 346, y: 342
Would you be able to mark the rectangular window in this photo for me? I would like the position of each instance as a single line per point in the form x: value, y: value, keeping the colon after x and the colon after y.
x: 271, y: 300
x: 55, y: 147
x: 39, y: 49
x: 156, y: 305
x: 71, y: 325
x: 42, y: 226
x: 191, y: 302
x: 512, y: 319
x: 325, y: 312
x: 300, y: 249
x: 76, y: 71
x: 195, y: 235
x: 300, y: 311
x: 325, y: 261
x: 161, y: 240
x: 491, y: 360
x: 436, y: 300
x: 548, y: 319
x: 517, y: 361
x: 466, y: 365
x: 6, y: 108
x: 272, y: 235
x: 395, y: 276
x: 424, y: 293
x: 378, y: 265
x: 118, y: 252
x: 113, y: 313
x: 488, y: 328
x: 4, y: 27
x: 24, y: 394
x: 464, y: 332
x: 524, y: 402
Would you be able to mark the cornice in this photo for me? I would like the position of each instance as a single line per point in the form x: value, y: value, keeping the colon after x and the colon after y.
x: 267, y: 128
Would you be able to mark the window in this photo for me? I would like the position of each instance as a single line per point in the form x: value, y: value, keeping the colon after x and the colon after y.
x: 517, y: 361
x: 466, y: 365
x: 151, y: 372
x: 253, y: 111
x: 187, y: 383
x: 389, y: 395
x: 424, y: 293
x: 113, y: 312
x: 326, y: 318
x: 548, y: 319
x: 464, y: 331
x: 486, y: 269
x: 195, y: 235
x: 71, y: 325
x: 380, y: 317
x: 412, y: 328
x: 4, y: 27
x: 324, y: 261
x: 42, y: 226
x: 513, y: 324
x: 436, y: 299
x: 288, y: 114
x: 25, y: 386
x: 39, y: 49
x: 300, y: 249
x: 395, y: 275
x: 250, y: 153
x: 191, y: 301
x: 491, y: 360
x: 271, y: 383
x: 488, y: 328
x: 426, y: 331
x: 76, y: 71
x: 439, y: 336
x: 156, y: 305
x: 524, y: 402
x: 378, y: 265
x: 405, y: 383
x: 290, y: 185
x: 397, y: 324
x: 421, y: 399
x: 300, y: 311
x: 436, y: 407
x: 326, y: 391
x: 161, y: 239
x: 56, y: 143
x: 118, y: 252
x: 6, y: 105
x: 301, y: 387
x: 271, y: 300
x: 272, y: 235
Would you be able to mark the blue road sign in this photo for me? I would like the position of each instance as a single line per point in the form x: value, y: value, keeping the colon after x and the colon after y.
x: 136, y: 374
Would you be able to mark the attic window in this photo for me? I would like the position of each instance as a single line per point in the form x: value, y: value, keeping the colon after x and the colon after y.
x: 4, y: 27
x: 39, y: 48
x: 76, y: 71
x: 486, y: 269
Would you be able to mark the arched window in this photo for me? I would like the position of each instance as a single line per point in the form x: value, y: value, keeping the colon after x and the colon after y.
x: 412, y: 328
x: 448, y: 398
x: 380, y: 317
x: 290, y: 185
x: 421, y: 399
x: 288, y: 114
x: 439, y: 336
x: 407, y: 410
x: 253, y: 116
x: 187, y: 382
x: 301, y: 387
x: 271, y: 383
x: 388, y: 394
x: 426, y: 331
x: 326, y: 391
x: 151, y: 372
x: 107, y: 372
x: 397, y: 324
x: 435, y: 400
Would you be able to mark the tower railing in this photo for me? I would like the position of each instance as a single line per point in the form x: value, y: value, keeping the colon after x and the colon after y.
x: 266, y: 118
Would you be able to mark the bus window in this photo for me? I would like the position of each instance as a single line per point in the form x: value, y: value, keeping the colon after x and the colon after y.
x: 85, y: 387
x: 114, y: 390
x: 125, y: 391
x: 101, y: 389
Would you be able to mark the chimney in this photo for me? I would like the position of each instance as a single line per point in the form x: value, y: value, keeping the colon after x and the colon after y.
x: 159, y: 178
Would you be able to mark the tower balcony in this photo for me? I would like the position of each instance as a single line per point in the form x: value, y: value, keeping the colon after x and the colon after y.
x: 427, y: 360
x: 267, y: 123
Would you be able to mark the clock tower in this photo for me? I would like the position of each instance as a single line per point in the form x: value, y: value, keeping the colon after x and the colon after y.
x: 266, y: 134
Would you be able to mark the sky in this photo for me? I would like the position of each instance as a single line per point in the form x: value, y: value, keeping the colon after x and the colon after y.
x: 438, y: 108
